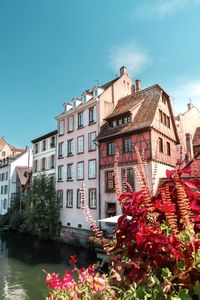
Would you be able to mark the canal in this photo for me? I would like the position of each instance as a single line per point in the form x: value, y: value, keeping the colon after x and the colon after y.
x: 22, y: 259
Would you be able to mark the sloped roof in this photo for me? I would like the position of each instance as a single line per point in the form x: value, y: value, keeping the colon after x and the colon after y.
x: 2, y: 143
x: 144, y: 117
x: 22, y: 171
x: 148, y: 100
x: 196, y: 138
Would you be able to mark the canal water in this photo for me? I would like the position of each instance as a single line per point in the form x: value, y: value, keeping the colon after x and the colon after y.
x: 22, y: 259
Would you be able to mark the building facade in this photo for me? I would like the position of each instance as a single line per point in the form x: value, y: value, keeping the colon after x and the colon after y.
x: 11, y: 183
x: 44, y: 153
x: 7, y: 150
x: 186, y: 125
x: 78, y: 155
x: 143, y: 120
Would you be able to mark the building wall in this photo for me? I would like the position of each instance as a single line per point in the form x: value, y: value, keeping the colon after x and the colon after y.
x: 187, y: 123
x: 47, y: 154
x: 24, y: 160
x: 73, y: 216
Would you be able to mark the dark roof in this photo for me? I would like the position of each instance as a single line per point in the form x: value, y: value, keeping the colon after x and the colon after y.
x: 44, y: 136
x: 148, y: 98
x: 147, y: 101
x: 196, y: 138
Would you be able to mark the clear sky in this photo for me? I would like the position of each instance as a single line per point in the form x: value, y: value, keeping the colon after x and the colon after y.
x: 52, y: 50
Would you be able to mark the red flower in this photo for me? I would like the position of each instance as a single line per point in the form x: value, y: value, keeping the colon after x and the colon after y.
x: 73, y: 260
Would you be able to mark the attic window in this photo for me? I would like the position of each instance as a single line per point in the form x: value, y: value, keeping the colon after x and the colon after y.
x: 119, y: 122
x: 126, y: 119
x: 95, y: 93
x: 111, y: 124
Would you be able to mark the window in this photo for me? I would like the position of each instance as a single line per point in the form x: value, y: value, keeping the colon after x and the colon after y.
x: 2, y: 190
x: 69, y: 202
x: 3, y: 153
x: 36, y: 148
x: 92, y: 115
x: 35, y: 166
x: 92, y: 169
x: 5, y: 189
x: 78, y: 198
x: 110, y: 124
x: 109, y: 181
x: 80, y: 144
x: 52, y: 143
x: 7, y: 175
x: 60, y: 198
x: 168, y: 122
x: 80, y: 170
x: 111, y: 149
x: 52, y: 161
x: 3, y: 176
x: 69, y: 172
x: 168, y: 149
x: 160, y: 116
x: 60, y: 150
x: 160, y: 141
x: 70, y: 147
x: 129, y: 176
x: 43, y: 163
x: 70, y: 123
x: 127, y: 145
x: 60, y: 173
x: 80, y: 120
x: 4, y: 204
x: 110, y: 209
x: 44, y: 145
x: 95, y: 93
x: 61, y: 127
x: 91, y: 141
x: 92, y: 198
x: 126, y: 119
x: 119, y: 122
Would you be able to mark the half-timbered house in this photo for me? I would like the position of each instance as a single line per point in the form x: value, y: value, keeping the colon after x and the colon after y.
x: 144, y: 119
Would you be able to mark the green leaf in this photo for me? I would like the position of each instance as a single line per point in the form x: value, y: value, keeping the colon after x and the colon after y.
x: 183, y: 294
x: 181, y: 265
x: 166, y: 273
x: 197, y: 289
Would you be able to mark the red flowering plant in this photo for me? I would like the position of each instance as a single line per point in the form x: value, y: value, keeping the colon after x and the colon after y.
x: 155, y: 253
x: 159, y: 235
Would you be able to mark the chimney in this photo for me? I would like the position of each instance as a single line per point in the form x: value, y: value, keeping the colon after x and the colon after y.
x: 189, y: 105
x: 123, y: 71
x: 67, y: 106
x: 137, y: 85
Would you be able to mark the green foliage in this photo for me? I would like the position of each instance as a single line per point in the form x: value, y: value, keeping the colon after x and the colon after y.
x: 5, y: 219
x: 42, y: 211
x: 17, y: 219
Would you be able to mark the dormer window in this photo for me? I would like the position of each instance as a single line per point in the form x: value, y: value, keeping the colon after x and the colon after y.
x: 126, y: 120
x: 119, y: 122
x: 95, y: 93
x: 111, y: 125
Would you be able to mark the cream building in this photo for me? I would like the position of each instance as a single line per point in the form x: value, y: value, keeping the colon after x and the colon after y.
x: 77, y: 158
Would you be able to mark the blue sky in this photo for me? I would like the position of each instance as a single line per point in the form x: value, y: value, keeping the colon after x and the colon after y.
x: 52, y: 50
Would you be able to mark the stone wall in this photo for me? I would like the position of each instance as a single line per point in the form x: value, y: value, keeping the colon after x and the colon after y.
x: 75, y: 236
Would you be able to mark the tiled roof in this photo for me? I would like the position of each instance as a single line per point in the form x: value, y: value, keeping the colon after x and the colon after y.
x: 22, y: 171
x: 2, y: 143
x: 144, y: 117
x: 196, y: 138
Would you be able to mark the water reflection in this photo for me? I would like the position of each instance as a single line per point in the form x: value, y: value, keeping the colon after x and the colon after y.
x: 22, y: 259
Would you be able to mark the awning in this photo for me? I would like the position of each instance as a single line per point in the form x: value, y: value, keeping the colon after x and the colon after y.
x: 113, y: 219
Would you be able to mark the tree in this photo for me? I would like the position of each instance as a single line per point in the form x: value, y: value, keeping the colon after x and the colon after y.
x: 42, y: 213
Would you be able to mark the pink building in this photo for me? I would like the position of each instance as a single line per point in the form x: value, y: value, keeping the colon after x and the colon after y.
x: 77, y: 153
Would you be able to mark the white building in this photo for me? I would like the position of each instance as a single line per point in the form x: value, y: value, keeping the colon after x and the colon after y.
x: 44, y: 152
x: 77, y: 154
x: 8, y: 177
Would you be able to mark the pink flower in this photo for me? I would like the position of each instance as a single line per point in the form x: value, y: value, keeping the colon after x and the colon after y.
x: 116, y: 275
x: 98, y: 284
